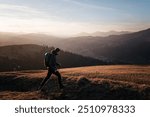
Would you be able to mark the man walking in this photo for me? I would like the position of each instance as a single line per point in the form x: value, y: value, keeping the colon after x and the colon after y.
x: 51, y: 64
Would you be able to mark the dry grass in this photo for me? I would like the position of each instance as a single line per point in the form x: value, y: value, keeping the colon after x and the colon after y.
x: 98, y: 82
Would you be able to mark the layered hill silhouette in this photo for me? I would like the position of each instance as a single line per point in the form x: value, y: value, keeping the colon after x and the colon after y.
x: 102, y: 34
x: 23, y: 57
x: 30, y: 38
x: 133, y: 48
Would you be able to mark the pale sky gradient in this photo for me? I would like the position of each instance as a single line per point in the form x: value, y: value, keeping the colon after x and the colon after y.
x: 69, y: 17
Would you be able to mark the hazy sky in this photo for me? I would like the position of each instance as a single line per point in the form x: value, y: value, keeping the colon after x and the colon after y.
x: 66, y: 17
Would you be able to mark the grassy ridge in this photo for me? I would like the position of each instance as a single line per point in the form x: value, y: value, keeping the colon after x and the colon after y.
x: 97, y: 82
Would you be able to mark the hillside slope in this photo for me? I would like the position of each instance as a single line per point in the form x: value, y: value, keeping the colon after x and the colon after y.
x: 21, y: 57
x: 99, y: 82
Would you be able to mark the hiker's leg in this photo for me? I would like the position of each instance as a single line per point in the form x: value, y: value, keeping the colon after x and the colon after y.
x: 46, y: 78
x: 59, y: 78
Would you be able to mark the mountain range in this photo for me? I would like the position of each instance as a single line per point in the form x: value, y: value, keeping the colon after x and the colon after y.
x: 131, y: 48
x: 102, y: 34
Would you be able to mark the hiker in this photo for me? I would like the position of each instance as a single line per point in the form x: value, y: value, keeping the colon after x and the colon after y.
x: 51, y: 64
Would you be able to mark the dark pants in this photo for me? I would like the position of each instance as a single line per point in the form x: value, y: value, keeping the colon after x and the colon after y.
x: 50, y: 72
